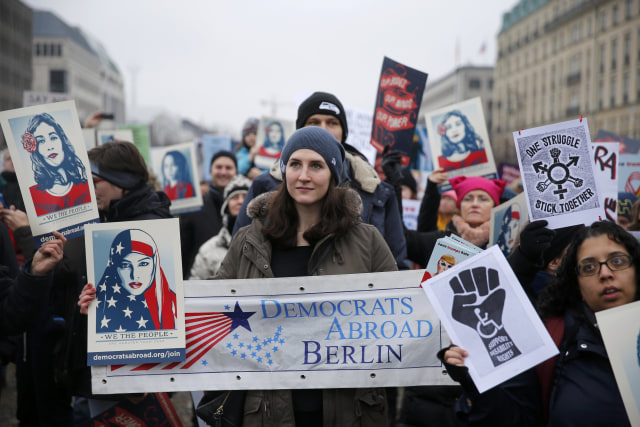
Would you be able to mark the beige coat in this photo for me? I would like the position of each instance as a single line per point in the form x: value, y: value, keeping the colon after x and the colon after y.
x: 361, y: 250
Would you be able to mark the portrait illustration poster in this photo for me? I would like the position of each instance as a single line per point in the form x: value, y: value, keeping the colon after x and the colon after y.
x: 48, y: 150
x: 207, y: 147
x: 105, y: 136
x: 448, y: 252
x: 605, y: 162
x: 485, y: 311
x: 175, y: 167
x: 398, y: 101
x: 138, y: 313
x: 556, y: 164
x: 270, y: 139
x: 507, y: 221
x: 459, y: 139
x: 620, y: 329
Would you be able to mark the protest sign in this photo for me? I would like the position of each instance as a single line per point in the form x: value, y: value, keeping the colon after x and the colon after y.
x: 485, y: 311
x: 156, y: 409
x: 176, y: 169
x: 448, y: 252
x: 410, y: 210
x: 359, y: 123
x: 48, y: 150
x: 138, y: 313
x: 110, y: 135
x: 556, y: 164
x: 508, y: 172
x: 605, y: 158
x: 507, y: 221
x: 211, y: 144
x: 30, y: 98
x: 271, y: 136
x: 620, y: 328
x: 397, y: 105
x: 140, y: 138
x: 627, y: 145
x: 459, y: 140
x: 355, y: 330
x: 421, y: 158
x: 629, y: 174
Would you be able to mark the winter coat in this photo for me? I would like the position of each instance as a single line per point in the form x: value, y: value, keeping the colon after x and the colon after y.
x: 198, y: 227
x: 361, y: 250
x: 584, y: 390
x: 379, y: 204
x: 210, y: 256
x: 139, y: 204
x: 21, y: 299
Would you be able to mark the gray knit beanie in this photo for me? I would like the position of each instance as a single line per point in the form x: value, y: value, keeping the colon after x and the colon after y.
x: 319, y: 140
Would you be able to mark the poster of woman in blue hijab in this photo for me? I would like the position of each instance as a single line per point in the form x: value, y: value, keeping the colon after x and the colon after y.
x: 138, y: 290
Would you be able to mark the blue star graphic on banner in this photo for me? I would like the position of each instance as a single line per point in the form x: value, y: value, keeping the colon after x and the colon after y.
x: 239, y: 318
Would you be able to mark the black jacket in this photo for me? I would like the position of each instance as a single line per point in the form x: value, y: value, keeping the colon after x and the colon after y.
x: 584, y: 388
x: 139, y: 204
x: 198, y: 227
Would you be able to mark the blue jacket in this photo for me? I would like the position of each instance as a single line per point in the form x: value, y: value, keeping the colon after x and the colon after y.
x: 584, y: 390
x: 380, y: 207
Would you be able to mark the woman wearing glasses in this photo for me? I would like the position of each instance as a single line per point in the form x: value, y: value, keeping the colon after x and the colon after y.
x: 599, y: 271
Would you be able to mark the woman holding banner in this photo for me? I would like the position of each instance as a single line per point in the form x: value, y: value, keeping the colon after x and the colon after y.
x: 599, y: 271
x: 309, y: 226
x: 61, y: 179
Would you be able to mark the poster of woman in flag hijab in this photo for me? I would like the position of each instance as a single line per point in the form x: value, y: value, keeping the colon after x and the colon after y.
x: 138, y: 312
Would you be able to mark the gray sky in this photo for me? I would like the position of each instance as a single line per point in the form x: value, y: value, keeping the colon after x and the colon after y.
x: 215, y: 61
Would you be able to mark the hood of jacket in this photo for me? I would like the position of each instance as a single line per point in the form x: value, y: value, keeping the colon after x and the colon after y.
x: 139, y: 203
x: 258, y: 207
x: 355, y: 168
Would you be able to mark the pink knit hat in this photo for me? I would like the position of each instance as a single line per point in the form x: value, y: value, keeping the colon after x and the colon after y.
x: 451, y: 194
x: 462, y: 185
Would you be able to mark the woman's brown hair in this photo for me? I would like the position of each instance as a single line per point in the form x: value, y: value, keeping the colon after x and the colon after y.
x: 281, y: 224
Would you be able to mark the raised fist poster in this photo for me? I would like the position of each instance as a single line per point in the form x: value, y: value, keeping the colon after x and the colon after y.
x: 485, y: 311
x: 397, y: 105
x: 557, y: 168
x: 50, y: 157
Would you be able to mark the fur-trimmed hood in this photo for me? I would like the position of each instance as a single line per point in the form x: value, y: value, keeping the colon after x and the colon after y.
x: 258, y: 207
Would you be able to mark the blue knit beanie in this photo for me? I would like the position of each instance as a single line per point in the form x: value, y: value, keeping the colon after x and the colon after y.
x: 319, y: 140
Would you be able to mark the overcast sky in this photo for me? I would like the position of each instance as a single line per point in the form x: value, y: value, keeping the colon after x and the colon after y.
x: 219, y: 62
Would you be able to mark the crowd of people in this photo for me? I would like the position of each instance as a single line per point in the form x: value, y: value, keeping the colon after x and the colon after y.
x: 320, y: 209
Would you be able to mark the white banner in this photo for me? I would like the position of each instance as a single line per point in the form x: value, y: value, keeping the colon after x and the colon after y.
x: 359, y: 330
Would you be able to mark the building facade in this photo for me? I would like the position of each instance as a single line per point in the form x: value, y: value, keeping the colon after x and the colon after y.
x: 15, y: 53
x: 562, y: 59
x: 66, y: 60
x: 463, y: 83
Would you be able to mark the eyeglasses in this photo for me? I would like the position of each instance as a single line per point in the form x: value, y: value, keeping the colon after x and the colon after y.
x: 614, y: 263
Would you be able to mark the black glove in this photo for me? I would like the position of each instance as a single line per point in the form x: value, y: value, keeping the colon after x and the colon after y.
x: 392, y: 166
x: 535, y: 238
x: 478, y: 303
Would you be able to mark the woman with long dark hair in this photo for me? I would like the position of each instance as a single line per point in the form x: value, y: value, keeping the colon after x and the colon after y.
x: 61, y: 179
x: 309, y: 226
x: 461, y: 145
x: 176, y: 179
x: 599, y: 271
